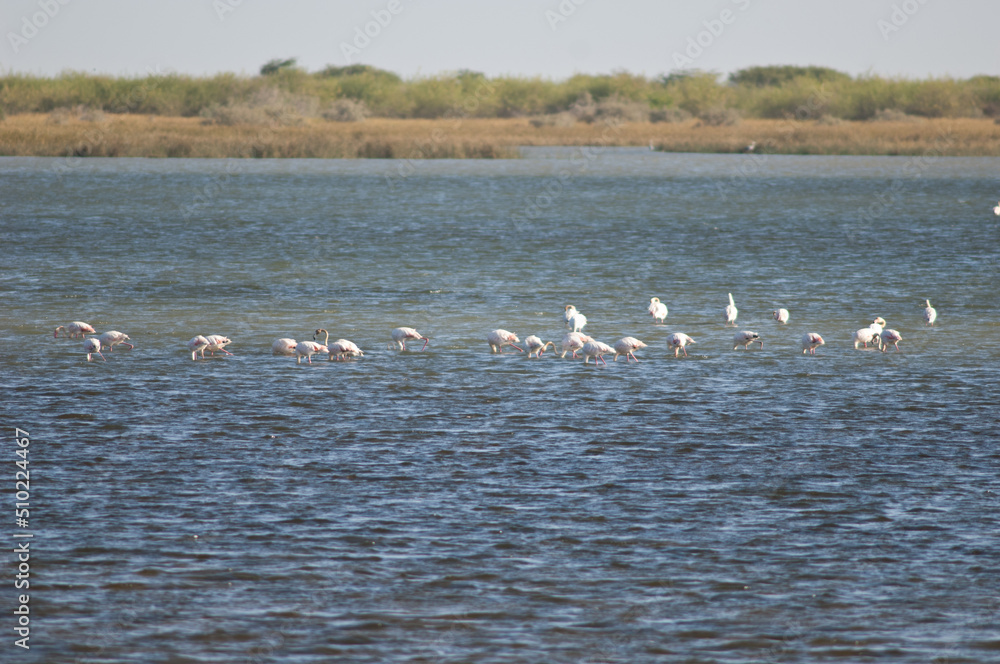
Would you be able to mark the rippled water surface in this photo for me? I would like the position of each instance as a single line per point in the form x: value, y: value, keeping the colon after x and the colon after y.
x: 451, y: 505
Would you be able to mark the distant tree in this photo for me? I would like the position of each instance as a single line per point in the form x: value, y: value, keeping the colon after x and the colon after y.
x: 776, y: 75
x: 274, y: 66
x: 332, y: 71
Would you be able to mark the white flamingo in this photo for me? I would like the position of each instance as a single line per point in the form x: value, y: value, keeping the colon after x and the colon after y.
x: 595, y: 349
x: 627, y: 346
x: 576, y: 322
x: 197, y: 345
x: 810, y: 342
x: 731, y: 311
x: 745, y: 338
x: 93, y: 346
x: 657, y: 309
x: 500, y: 338
x: 930, y: 314
x: 865, y: 336
x: 307, y: 349
x: 878, y: 324
x: 678, y: 341
x: 781, y: 315
x: 996, y: 210
x: 75, y: 329
x: 284, y: 346
x: 570, y: 312
x: 112, y: 337
x: 343, y: 349
x: 535, y: 345
x: 890, y: 337
x: 573, y: 341
x: 217, y: 342
x: 401, y: 334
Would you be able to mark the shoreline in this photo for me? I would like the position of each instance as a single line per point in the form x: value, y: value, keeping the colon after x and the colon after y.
x: 153, y: 136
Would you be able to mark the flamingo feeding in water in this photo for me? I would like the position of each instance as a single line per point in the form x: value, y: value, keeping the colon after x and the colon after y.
x: 731, y: 311
x: 197, y: 345
x: 864, y: 336
x: 811, y: 341
x: 500, y: 338
x: 217, y: 342
x: 284, y: 346
x: 112, y: 337
x: 657, y: 310
x: 573, y: 341
x: 627, y: 346
x: 93, y: 346
x: 745, y: 338
x: 595, y: 349
x: 307, y: 349
x: 930, y: 314
x: 342, y: 349
x: 781, y: 315
x: 678, y: 341
x: 401, y: 334
x: 75, y: 329
x: 890, y: 337
x: 535, y: 345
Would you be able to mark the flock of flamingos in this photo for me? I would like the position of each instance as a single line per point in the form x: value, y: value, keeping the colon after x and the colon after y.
x: 574, y: 341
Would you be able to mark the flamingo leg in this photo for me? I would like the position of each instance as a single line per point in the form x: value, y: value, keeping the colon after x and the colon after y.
x: 601, y: 359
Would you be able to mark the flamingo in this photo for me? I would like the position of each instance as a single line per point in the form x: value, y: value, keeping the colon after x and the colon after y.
x: 570, y: 312
x: 627, y: 346
x: 93, y: 346
x: 217, y: 342
x: 810, y: 341
x: 865, y: 336
x: 731, y: 312
x: 536, y: 346
x: 657, y: 310
x: 401, y: 334
x: 878, y: 324
x: 74, y: 329
x: 595, y: 349
x: 746, y: 337
x: 500, y: 338
x: 576, y: 322
x: 196, y: 345
x: 284, y: 346
x: 996, y: 210
x: 678, y: 341
x: 573, y: 341
x: 890, y: 337
x: 930, y: 314
x: 112, y: 337
x: 781, y: 315
x: 343, y: 349
x: 307, y: 349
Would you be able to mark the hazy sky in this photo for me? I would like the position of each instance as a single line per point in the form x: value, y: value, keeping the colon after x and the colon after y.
x: 549, y: 38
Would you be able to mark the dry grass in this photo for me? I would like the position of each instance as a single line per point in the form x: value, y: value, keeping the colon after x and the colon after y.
x: 160, y: 136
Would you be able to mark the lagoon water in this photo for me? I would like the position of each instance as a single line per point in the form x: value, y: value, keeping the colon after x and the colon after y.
x: 456, y: 506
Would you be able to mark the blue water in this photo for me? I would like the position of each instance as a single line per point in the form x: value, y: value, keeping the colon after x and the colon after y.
x: 451, y: 505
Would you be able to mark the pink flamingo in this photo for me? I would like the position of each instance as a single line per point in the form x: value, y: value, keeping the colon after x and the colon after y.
x: 500, y: 338
x: 75, y: 329
x: 93, y: 346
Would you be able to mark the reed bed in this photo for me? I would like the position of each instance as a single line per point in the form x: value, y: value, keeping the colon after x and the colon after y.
x: 126, y: 135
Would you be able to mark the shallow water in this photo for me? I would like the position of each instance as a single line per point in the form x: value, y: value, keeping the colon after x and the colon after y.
x: 451, y: 505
